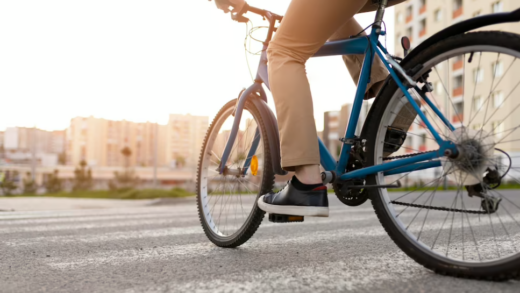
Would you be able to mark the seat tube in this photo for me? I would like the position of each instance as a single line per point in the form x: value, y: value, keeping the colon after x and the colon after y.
x: 363, y: 81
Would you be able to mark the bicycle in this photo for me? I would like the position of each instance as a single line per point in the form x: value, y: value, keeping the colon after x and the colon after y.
x: 472, y: 232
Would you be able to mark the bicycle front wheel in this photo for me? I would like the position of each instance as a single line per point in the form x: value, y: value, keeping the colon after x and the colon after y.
x: 439, y: 219
x: 227, y: 201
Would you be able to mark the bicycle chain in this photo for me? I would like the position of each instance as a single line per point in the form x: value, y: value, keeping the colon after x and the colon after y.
x: 406, y: 156
x: 425, y: 206
x: 438, y: 208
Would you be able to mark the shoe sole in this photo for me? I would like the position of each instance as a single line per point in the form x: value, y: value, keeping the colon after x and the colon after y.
x: 293, y: 210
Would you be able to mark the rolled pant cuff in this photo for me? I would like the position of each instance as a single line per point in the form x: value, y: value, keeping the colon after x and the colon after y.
x: 290, y: 164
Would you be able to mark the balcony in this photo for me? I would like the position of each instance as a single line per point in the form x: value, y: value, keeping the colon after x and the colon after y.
x: 458, y: 12
x: 422, y: 9
x: 458, y: 64
x: 458, y: 91
x: 457, y: 118
x: 422, y: 33
x: 422, y: 148
x: 409, y: 18
x: 422, y: 125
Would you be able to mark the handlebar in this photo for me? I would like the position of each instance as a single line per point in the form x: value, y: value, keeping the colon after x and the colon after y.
x: 271, y: 17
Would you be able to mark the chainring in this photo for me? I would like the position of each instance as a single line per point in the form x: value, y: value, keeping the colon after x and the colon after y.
x: 352, y: 196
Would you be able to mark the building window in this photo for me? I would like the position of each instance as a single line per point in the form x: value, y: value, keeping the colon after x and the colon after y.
x: 422, y: 146
x: 422, y: 28
x: 438, y: 15
x: 422, y: 8
x: 458, y: 62
x: 497, y: 7
x: 409, y: 32
x: 498, y: 99
x: 400, y: 17
x: 477, y: 103
x: 497, y: 128
x: 439, y: 88
x: 477, y: 13
x: 458, y: 116
x: 457, y: 8
x: 478, y: 75
x: 497, y: 69
x: 458, y: 86
x: 409, y: 13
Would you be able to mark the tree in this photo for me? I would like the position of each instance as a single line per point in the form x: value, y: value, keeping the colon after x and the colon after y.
x: 54, y: 184
x: 62, y: 159
x: 29, y: 185
x: 7, y: 182
x: 127, y: 179
x: 82, y: 177
x: 181, y: 161
x: 127, y: 152
x: 124, y: 181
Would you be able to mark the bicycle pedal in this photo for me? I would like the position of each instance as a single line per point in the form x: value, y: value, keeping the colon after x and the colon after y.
x: 277, y: 218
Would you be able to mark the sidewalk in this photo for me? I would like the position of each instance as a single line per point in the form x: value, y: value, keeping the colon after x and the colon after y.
x: 8, y: 204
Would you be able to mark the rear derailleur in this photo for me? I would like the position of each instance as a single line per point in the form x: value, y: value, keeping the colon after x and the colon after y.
x: 491, y: 181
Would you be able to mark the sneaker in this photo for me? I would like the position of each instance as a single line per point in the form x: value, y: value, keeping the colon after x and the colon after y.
x: 291, y: 201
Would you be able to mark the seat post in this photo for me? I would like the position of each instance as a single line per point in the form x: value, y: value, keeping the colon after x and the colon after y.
x: 380, y: 13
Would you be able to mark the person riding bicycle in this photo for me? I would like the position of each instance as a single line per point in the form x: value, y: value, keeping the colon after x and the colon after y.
x: 306, y: 26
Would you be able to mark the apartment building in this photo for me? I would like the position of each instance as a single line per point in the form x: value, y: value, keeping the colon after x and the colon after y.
x: 335, y: 126
x: 184, y: 137
x: 99, y: 142
x: 419, y: 19
x: 461, y: 88
x: 23, y: 139
x: 331, y: 133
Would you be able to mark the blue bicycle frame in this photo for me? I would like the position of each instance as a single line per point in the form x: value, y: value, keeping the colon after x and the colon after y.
x: 369, y: 46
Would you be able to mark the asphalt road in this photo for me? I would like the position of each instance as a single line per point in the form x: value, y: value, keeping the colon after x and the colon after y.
x: 163, y: 249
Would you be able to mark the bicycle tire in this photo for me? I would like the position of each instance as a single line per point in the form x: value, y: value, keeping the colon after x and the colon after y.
x: 492, y: 271
x: 256, y: 215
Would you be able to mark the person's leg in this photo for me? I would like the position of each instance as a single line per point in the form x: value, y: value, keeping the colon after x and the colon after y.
x: 354, y: 62
x: 305, y: 28
x: 406, y: 114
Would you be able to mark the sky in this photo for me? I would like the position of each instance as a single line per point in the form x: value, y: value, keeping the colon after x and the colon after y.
x: 138, y: 60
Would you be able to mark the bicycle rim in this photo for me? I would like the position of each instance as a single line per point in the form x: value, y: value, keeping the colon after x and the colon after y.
x: 454, y: 235
x: 228, y: 201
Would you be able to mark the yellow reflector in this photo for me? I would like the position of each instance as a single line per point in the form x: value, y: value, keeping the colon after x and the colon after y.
x: 254, y: 165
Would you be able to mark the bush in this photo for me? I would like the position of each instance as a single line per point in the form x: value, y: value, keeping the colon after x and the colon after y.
x: 29, y: 185
x: 54, y: 184
x: 82, y: 178
x: 128, y: 194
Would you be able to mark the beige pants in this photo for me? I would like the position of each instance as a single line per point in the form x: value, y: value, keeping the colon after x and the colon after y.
x: 306, y: 26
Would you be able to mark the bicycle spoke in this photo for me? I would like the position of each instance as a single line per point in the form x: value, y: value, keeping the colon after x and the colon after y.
x: 223, y: 202
x: 423, y: 213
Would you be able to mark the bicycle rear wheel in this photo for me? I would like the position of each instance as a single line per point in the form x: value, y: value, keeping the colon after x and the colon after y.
x: 226, y: 202
x: 475, y: 80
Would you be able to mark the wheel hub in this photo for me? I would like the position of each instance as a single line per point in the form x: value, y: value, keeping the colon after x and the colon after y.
x: 475, y: 155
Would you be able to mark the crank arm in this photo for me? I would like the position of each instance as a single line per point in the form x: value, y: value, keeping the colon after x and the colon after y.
x: 398, y: 185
